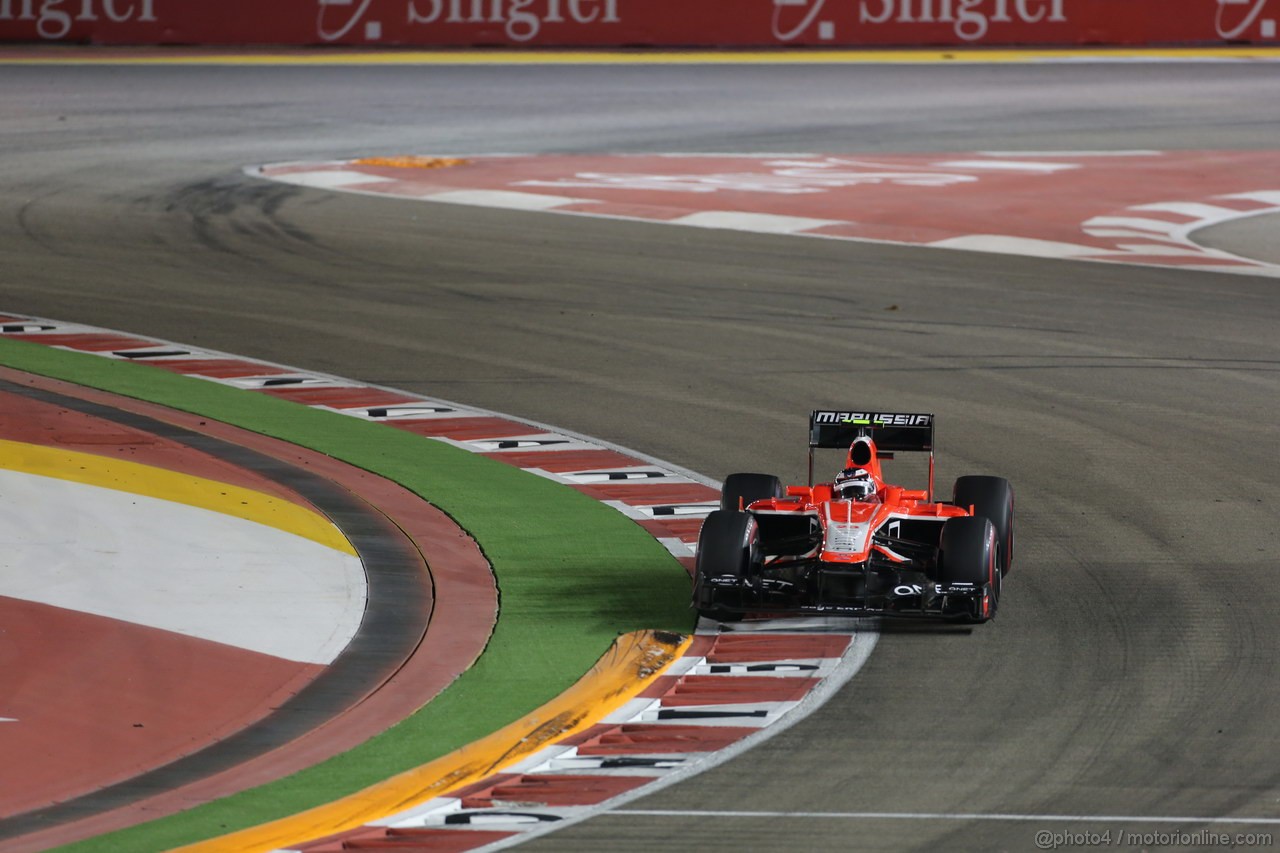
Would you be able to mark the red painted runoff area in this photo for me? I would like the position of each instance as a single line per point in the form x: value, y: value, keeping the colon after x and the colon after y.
x: 1137, y: 207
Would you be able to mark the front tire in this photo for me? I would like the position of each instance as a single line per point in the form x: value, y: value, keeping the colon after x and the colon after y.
x: 969, y: 555
x: 992, y: 499
x: 728, y: 556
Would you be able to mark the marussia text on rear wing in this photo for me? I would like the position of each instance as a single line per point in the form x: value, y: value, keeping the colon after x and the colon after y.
x: 891, y: 431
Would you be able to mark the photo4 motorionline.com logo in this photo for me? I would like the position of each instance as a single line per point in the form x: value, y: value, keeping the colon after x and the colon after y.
x: 1200, y: 839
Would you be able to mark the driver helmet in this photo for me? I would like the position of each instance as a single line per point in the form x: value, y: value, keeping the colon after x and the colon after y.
x: 854, y: 484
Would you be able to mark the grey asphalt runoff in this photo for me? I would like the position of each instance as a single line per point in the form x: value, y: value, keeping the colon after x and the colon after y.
x: 1132, y: 670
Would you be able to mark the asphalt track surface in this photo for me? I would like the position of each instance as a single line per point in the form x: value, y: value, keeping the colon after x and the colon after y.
x: 1132, y: 670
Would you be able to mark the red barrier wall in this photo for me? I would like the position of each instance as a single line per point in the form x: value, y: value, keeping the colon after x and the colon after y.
x: 617, y: 23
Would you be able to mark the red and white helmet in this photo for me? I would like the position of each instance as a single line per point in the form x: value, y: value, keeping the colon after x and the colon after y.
x: 854, y: 484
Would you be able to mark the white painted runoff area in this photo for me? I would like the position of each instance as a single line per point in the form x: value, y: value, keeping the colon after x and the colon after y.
x: 176, y: 567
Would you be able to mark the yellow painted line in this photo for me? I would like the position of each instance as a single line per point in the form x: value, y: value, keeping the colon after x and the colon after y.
x: 632, y: 662
x: 134, y: 478
x: 778, y: 56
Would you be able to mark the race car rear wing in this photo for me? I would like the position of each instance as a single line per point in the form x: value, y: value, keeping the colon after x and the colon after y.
x: 891, y: 431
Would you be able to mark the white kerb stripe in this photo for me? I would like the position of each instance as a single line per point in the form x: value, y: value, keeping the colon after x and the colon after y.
x: 1163, y: 250
x: 505, y: 198
x: 1157, y: 226
x: 1007, y: 165
x: 1017, y: 246
x: 1195, y: 210
x: 1137, y: 152
x: 760, y: 222
x: 1265, y: 196
x: 330, y: 179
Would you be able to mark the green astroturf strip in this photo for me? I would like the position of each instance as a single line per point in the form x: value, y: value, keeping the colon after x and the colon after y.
x: 572, y: 574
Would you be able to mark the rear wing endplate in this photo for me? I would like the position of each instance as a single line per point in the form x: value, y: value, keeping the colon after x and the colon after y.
x: 891, y: 431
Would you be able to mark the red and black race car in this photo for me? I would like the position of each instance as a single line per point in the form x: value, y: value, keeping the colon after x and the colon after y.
x: 857, y: 546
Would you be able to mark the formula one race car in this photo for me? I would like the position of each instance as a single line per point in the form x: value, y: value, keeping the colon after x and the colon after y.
x: 856, y: 546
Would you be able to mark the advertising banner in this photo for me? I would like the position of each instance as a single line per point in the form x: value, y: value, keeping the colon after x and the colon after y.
x: 631, y: 23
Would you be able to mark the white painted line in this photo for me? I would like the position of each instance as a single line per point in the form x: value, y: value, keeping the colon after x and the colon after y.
x: 292, y: 164
x: 504, y: 198
x: 618, y: 476
x: 1157, y: 226
x: 763, y: 223
x: 1266, y: 196
x: 799, y: 668
x: 421, y: 813
x: 1193, y: 209
x: 646, y: 765
x: 1264, y: 271
x: 494, y: 445
x: 507, y: 818
x: 1008, y: 165
x: 401, y: 411
x: 1142, y: 235
x: 543, y: 441
x: 157, y: 354
x: 22, y: 328
x: 330, y: 179
x: 33, y: 326
x: 631, y: 710
x: 1186, y: 251
x: 684, y: 666
x: 279, y: 380
x: 1136, y: 152
x: 958, y: 816
x: 676, y: 510
x: 743, y: 715
x: 629, y: 511
x: 640, y: 475
x: 1006, y: 245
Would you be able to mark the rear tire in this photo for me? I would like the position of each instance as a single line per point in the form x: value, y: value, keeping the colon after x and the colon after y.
x: 728, y: 547
x: 742, y: 490
x: 992, y: 499
x: 969, y: 555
